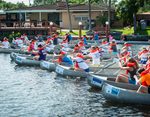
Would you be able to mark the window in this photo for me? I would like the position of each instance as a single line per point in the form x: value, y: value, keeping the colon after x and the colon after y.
x: 81, y: 18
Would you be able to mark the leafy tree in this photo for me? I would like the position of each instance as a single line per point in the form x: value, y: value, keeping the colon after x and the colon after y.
x: 126, y: 9
x: 8, y: 5
x: 43, y: 2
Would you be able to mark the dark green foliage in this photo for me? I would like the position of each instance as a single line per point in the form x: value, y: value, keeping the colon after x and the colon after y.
x: 126, y: 9
x: 8, y: 5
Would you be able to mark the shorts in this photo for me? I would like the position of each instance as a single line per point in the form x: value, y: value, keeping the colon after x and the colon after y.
x: 87, y: 70
x: 143, y: 61
x: 131, y: 81
x: 148, y: 89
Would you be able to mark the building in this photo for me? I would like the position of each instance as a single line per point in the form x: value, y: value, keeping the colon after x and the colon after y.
x: 56, y: 13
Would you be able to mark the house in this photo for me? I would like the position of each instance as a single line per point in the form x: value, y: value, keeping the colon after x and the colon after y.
x: 57, y: 13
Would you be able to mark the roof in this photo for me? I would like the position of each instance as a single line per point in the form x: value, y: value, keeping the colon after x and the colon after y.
x: 57, y: 8
x: 145, y: 16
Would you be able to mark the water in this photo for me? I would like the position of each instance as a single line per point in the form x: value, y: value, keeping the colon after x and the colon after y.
x: 32, y: 92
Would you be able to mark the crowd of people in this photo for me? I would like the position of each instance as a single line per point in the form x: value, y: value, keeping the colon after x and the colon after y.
x: 137, y: 66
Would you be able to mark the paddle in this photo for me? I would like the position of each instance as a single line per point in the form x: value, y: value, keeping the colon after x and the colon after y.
x: 115, y: 60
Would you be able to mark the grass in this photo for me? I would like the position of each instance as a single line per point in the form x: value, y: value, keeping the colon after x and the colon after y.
x: 125, y: 31
x: 74, y: 33
x: 129, y: 31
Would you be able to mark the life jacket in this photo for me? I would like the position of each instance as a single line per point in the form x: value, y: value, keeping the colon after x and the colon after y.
x: 76, y: 48
x: 104, y: 43
x: 81, y: 44
x: 113, y: 47
x: 48, y: 40
x: 42, y: 53
x: 142, y: 75
x: 131, y: 73
x: 127, y: 44
x: 143, y: 52
x: 93, y: 51
x: 31, y: 47
x: 76, y: 65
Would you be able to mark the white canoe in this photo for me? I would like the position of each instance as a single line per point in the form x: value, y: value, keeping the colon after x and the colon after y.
x: 124, y: 94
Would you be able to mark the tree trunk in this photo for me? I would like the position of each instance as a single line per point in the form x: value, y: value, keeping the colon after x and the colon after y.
x: 69, y: 15
x: 134, y: 22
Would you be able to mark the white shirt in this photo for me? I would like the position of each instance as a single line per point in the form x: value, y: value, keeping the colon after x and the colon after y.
x: 19, y: 42
x: 95, y: 58
x: 81, y: 63
x: 5, y: 44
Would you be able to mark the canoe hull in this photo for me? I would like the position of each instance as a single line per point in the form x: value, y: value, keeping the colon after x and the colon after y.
x: 23, y: 61
x: 124, y: 95
x: 65, y: 71
x: 45, y: 65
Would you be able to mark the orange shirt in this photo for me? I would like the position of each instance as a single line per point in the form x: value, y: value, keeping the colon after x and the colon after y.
x: 145, y: 79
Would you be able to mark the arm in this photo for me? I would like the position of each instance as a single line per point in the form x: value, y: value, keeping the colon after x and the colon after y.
x: 124, y: 68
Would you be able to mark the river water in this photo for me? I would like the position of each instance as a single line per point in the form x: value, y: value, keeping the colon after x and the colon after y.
x: 32, y: 92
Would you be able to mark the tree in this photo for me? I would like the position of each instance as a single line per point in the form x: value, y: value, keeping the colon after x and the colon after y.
x: 69, y: 16
x: 8, y: 5
x: 43, y: 2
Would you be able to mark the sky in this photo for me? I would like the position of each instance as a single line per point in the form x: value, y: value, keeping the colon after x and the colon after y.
x: 15, y: 1
x: 25, y: 1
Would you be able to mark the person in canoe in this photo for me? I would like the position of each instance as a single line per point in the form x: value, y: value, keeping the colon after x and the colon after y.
x: 143, y: 56
x: 84, y: 38
x: 131, y: 67
x: 5, y: 43
x: 80, y: 63
x: 64, y: 59
x: 128, y: 48
x: 49, y: 46
x: 82, y: 47
x: 124, y: 56
x: 144, y: 81
x: 96, y: 37
x: 41, y: 54
x: 76, y: 49
x: 31, y: 46
x: 113, y: 48
x: 95, y: 55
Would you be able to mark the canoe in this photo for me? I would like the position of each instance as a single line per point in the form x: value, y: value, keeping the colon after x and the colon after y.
x: 124, y: 94
x: 29, y: 56
x: 19, y: 60
x: 9, y: 50
x: 46, y: 65
x: 97, y: 80
x: 67, y: 71
x: 13, y: 55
